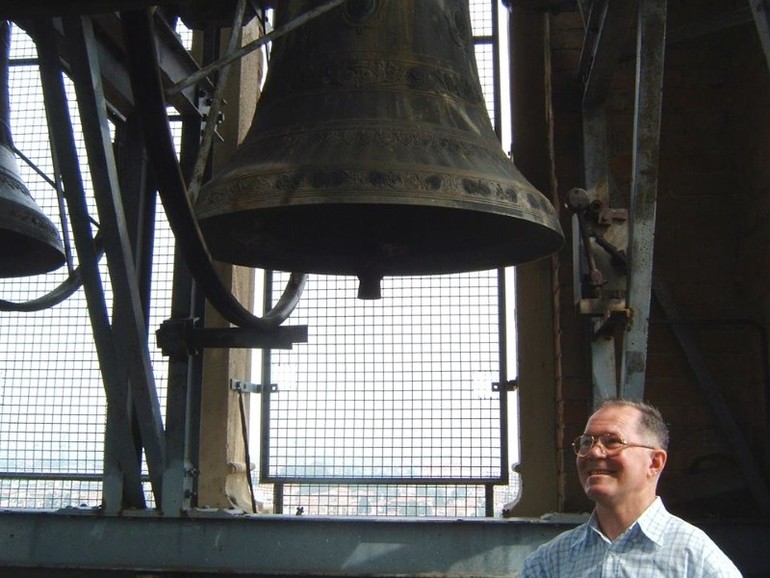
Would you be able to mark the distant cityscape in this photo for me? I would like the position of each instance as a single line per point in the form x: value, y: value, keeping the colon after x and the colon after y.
x: 60, y: 489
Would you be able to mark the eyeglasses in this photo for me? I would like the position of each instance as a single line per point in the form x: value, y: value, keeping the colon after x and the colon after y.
x: 611, y: 443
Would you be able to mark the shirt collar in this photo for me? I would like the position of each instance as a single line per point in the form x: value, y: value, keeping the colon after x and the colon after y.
x: 649, y: 524
x: 650, y: 521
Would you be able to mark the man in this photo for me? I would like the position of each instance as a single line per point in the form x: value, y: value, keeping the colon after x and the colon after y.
x: 619, y: 460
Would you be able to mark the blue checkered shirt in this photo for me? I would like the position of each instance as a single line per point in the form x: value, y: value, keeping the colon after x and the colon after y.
x: 657, y: 545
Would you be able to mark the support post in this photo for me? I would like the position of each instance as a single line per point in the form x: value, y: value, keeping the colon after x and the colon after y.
x: 537, y: 359
x: 222, y: 482
x: 651, y: 43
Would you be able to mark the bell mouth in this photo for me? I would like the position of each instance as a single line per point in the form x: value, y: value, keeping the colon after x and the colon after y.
x: 376, y: 240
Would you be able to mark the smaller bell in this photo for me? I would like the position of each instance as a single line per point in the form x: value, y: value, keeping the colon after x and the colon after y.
x: 29, y: 241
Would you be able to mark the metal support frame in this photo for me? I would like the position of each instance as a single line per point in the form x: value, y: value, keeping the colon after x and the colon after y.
x: 217, y: 543
x: 605, y: 35
x: 628, y: 380
x: 185, y: 371
x: 134, y: 425
x: 651, y: 47
x: 606, y: 26
x: 175, y: 63
x: 761, y: 11
x: 596, y: 170
x: 122, y: 468
x: 132, y: 335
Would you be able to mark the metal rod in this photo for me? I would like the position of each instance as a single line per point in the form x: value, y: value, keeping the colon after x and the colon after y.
x: 183, y: 398
x: 57, y: 476
x: 502, y: 331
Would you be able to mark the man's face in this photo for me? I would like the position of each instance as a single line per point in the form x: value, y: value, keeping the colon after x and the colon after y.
x: 627, y: 477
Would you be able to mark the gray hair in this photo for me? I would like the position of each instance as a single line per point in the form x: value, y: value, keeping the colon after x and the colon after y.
x: 651, y: 422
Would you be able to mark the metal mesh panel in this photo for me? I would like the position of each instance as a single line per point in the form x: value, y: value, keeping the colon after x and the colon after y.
x: 481, y: 17
x: 52, y: 401
x: 485, y: 65
x: 49, y: 493
x: 486, y: 43
x: 384, y: 500
x: 397, y: 389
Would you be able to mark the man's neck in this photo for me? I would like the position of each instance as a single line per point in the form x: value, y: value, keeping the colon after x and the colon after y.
x: 614, y: 519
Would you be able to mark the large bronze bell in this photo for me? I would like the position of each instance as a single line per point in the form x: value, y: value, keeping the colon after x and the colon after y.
x: 371, y: 153
x: 29, y: 241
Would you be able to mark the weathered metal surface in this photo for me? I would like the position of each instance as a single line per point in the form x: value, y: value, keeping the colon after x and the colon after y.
x: 761, y: 12
x: 175, y: 62
x: 270, y: 545
x: 218, y: 543
x: 122, y: 469
x: 606, y: 34
x: 129, y: 327
x: 610, y: 295
x: 644, y: 187
x: 372, y: 153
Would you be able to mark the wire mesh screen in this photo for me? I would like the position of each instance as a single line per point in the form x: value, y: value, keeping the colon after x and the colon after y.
x: 399, y: 389
x: 52, y: 401
x: 385, y: 500
x: 391, y: 408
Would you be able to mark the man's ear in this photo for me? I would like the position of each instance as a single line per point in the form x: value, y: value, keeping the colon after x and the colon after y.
x: 657, y: 461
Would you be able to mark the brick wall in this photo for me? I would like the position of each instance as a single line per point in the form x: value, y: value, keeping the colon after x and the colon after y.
x: 712, y: 246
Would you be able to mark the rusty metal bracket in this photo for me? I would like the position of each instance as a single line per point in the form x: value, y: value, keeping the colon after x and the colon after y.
x: 184, y: 337
x: 604, y: 237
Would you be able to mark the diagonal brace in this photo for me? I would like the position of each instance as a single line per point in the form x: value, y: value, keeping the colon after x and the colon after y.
x: 132, y: 335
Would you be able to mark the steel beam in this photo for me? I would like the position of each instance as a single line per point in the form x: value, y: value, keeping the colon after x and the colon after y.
x: 122, y: 468
x: 131, y: 331
x: 175, y: 64
x: 651, y: 41
x: 596, y: 174
x: 761, y: 11
x: 606, y: 33
x: 218, y: 543
x: 270, y: 545
x: 183, y: 398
